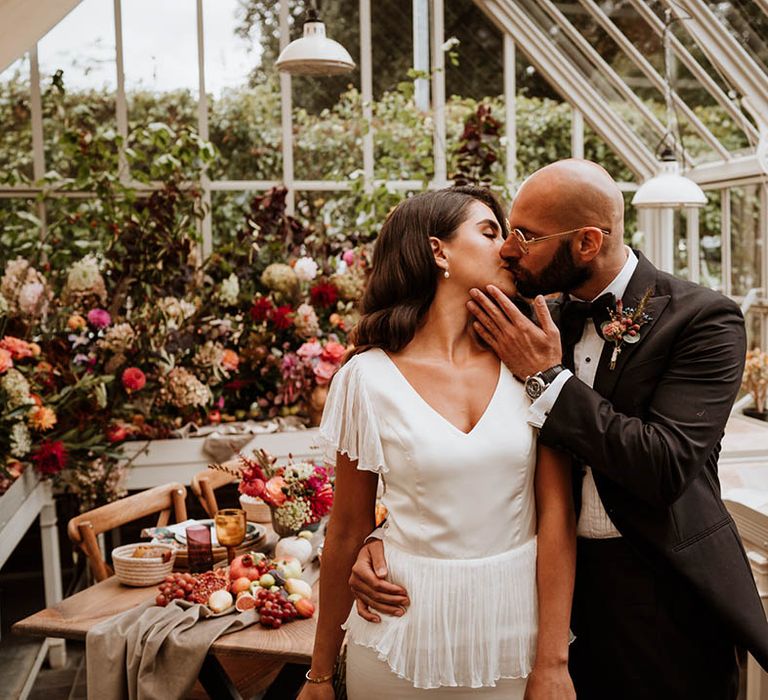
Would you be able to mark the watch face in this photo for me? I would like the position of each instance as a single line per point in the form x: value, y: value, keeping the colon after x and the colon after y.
x: 534, y: 387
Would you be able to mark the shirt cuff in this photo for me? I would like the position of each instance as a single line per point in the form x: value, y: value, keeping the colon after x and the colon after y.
x: 540, y: 408
x: 377, y: 534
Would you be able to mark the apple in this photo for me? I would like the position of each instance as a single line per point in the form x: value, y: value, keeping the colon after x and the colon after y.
x: 267, y: 581
x: 240, y: 584
x: 305, y: 607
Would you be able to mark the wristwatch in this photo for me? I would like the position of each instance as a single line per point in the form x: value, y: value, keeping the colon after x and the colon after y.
x: 537, y: 383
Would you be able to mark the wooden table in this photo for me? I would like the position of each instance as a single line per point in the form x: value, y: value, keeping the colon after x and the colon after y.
x: 74, y: 616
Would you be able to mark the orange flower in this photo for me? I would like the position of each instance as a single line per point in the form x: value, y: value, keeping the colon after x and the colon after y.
x: 230, y: 360
x: 76, y: 322
x: 42, y: 418
x: 6, y: 361
x: 18, y: 348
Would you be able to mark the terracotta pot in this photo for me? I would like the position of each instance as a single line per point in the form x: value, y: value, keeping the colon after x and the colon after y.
x: 316, y: 404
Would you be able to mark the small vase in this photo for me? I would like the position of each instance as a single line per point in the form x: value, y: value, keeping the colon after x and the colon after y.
x: 316, y: 404
x: 280, y: 529
x: 754, y: 413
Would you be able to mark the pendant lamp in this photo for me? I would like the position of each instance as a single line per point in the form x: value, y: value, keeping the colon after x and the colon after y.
x: 314, y: 53
x: 669, y: 187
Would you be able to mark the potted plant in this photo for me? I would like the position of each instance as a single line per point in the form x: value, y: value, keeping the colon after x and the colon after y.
x: 755, y: 381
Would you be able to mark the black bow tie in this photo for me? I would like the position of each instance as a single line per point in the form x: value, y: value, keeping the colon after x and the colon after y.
x: 574, y: 315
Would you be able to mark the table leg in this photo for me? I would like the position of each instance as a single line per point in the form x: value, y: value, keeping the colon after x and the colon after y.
x: 49, y: 537
x: 215, y: 680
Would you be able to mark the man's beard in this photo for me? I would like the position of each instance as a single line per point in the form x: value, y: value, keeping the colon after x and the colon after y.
x: 560, y: 275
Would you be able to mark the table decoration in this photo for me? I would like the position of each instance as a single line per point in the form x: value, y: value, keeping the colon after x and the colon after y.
x: 298, y: 494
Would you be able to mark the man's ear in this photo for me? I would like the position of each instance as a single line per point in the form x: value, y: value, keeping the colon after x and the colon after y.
x: 438, y: 250
x: 589, y: 242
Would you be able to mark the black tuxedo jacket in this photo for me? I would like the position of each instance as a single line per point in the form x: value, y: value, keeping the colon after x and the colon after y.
x: 651, y: 431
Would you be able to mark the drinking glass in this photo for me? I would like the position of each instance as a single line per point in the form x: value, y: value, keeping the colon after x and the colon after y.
x: 199, y: 548
x: 230, y: 529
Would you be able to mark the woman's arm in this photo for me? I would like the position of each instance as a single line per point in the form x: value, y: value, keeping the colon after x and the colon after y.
x: 555, y: 572
x: 352, y: 518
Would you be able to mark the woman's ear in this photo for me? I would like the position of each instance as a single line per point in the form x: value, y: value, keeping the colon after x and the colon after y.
x: 438, y: 250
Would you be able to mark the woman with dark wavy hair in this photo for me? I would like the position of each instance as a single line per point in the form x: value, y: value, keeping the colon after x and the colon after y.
x: 481, y: 529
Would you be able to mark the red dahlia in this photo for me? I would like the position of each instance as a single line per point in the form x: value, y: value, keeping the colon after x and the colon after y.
x: 51, y: 457
x: 261, y: 309
x: 324, y: 294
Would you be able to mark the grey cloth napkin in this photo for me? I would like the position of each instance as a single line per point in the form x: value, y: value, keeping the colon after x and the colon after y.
x: 154, y: 653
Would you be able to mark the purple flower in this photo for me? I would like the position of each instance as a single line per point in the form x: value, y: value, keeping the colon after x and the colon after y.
x: 99, y: 318
x: 81, y: 359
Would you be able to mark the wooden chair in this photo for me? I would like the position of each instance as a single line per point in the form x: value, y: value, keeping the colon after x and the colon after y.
x: 205, y: 483
x: 86, y: 527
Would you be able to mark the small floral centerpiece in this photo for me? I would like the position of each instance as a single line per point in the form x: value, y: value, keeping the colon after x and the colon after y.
x: 298, y: 494
x: 755, y: 378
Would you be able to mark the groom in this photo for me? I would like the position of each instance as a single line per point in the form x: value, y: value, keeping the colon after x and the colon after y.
x: 638, y: 393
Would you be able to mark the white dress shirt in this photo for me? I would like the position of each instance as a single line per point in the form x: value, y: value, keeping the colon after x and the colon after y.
x: 593, y: 520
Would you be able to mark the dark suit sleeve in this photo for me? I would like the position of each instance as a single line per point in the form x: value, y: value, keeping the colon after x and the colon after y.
x: 655, y: 458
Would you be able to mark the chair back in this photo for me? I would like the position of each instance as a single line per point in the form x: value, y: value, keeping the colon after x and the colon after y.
x: 204, y: 485
x: 86, y: 527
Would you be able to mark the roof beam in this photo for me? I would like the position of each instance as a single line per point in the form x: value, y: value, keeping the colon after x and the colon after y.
x: 557, y: 69
x: 724, y: 51
x: 22, y: 26
x: 650, y: 72
x: 697, y: 70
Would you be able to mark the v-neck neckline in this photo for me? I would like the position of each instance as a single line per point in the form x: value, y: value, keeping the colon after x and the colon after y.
x: 432, y: 409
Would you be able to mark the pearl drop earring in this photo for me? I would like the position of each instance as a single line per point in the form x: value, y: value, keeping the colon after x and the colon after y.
x: 446, y: 274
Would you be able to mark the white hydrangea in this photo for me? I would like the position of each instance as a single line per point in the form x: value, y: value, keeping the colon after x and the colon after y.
x: 16, y: 388
x: 31, y: 297
x: 305, y: 269
x: 84, y: 275
x: 230, y: 290
x: 4, y: 307
x: 21, y: 441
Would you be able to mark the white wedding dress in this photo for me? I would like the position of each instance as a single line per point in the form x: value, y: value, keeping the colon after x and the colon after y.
x: 460, y: 536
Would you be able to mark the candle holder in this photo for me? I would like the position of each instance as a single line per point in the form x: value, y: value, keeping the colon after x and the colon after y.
x: 199, y: 548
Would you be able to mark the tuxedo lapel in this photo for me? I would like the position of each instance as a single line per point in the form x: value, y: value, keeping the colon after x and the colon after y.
x: 643, y: 279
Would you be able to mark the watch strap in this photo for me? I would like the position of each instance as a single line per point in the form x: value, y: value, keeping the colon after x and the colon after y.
x: 548, y: 375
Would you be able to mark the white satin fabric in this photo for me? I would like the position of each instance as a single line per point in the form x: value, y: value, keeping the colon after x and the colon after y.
x: 461, y: 526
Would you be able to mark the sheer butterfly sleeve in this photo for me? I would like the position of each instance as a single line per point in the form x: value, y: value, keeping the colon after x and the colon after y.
x: 349, y: 423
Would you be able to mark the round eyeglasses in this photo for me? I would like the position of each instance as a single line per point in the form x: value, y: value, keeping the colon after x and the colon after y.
x: 526, y: 240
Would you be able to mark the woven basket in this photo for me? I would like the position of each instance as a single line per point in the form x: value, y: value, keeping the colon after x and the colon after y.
x: 144, y: 571
x: 256, y: 511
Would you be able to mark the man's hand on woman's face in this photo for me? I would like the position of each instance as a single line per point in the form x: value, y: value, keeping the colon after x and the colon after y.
x: 521, y: 345
x: 372, y: 591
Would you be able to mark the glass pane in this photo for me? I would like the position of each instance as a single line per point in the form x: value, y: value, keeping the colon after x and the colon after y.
x: 229, y: 212
x: 16, y: 118
x: 19, y: 230
x: 710, y: 239
x: 328, y: 127
x: 161, y: 77
x: 78, y: 79
x: 243, y: 107
x: 747, y: 241
x: 748, y: 24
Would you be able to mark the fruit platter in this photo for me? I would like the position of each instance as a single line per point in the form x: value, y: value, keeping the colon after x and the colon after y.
x: 272, y: 586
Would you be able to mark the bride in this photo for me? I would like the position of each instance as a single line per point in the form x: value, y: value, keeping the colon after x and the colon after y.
x: 481, y: 529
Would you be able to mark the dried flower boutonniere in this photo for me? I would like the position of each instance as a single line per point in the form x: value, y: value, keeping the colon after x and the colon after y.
x: 624, y: 326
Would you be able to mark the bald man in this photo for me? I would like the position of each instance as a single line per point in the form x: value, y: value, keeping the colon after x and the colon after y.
x: 664, y: 593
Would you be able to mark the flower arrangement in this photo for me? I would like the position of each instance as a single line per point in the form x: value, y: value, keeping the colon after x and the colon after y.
x: 299, y: 494
x: 755, y: 378
x: 624, y: 325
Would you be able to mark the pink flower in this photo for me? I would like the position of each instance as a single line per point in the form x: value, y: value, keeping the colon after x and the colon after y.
x: 310, y: 350
x: 133, y: 379
x: 349, y: 257
x: 99, y: 318
x: 6, y: 361
x: 321, y: 501
x: 333, y: 352
x: 273, y: 491
x: 18, y: 348
x: 324, y: 371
